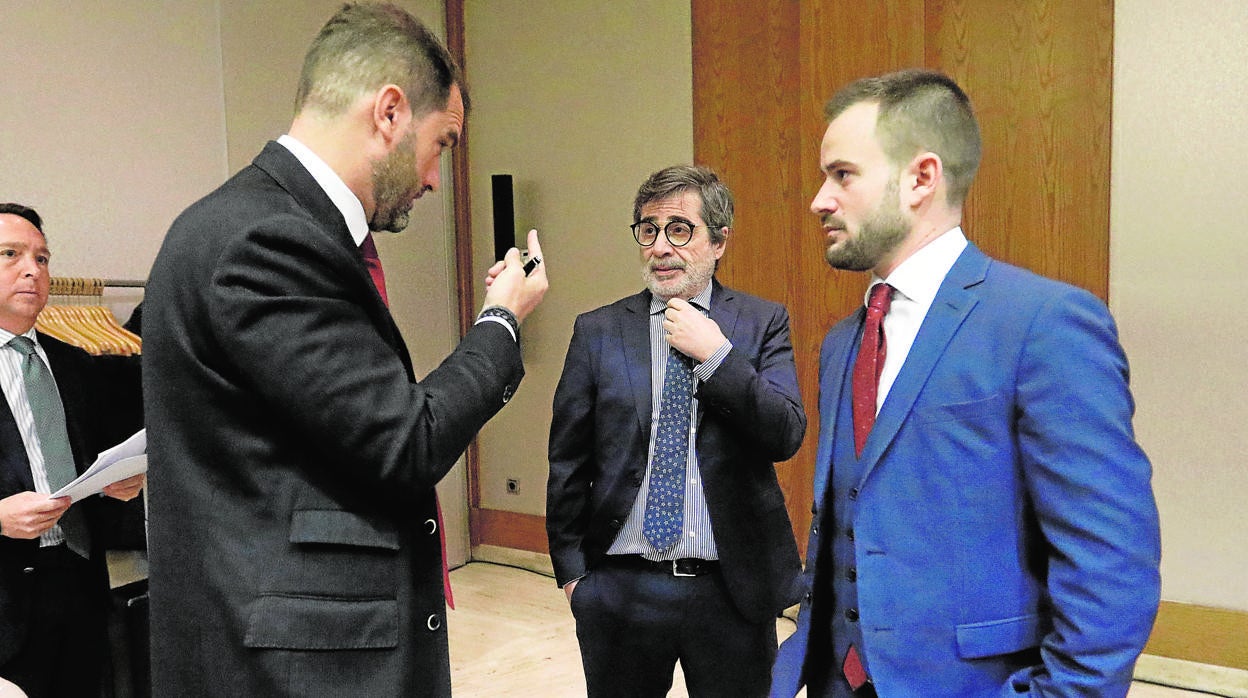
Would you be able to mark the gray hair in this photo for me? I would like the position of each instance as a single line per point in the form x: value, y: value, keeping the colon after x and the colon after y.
x: 673, y: 181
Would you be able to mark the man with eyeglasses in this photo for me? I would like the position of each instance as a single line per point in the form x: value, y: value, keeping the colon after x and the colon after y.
x: 667, y: 525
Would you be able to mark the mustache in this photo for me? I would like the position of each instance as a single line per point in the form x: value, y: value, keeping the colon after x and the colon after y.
x: 831, y: 221
x: 654, y: 265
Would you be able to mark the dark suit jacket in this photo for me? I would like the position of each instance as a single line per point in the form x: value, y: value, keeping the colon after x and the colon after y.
x: 752, y: 417
x: 293, y: 454
x: 90, y: 388
x: 1006, y: 536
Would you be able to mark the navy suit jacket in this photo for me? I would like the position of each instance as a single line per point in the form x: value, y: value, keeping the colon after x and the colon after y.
x: 91, y: 389
x: 1006, y: 535
x: 752, y: 417
x: 294, y: 454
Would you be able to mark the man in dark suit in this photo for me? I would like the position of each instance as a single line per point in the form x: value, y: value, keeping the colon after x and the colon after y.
x: 53, y: 577
x: 295, y: 540
x: 984, y: 520
x: 667, y: 525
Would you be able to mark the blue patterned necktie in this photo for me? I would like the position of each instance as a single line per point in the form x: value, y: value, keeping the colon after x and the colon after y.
x: 58, y: 458
x: 665, y: 498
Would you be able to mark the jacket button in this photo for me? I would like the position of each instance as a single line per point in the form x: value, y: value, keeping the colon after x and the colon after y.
x: 809, y: 595
x: 616, y: 523
x: 851, y: 615
x: 853, y: 493
x: 814, y: 530
x: 432, y: 526
x: 636, y: 479
x: 852, y: 574
x: 433, y: 622
x: 849, y: 533
x: 28, y: 570
x: 507, y: 393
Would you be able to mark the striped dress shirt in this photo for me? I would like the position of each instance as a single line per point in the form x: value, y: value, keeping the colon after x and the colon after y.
x: 14, y: 386
x: 696, y: 540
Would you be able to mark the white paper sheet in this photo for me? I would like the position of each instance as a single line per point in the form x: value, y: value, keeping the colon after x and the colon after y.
x: 126, y: 459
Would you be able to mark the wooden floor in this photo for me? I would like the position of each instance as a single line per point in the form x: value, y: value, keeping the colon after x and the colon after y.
x: 513, y: 635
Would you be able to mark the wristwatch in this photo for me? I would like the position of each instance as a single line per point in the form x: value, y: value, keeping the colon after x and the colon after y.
x: 504, y: 314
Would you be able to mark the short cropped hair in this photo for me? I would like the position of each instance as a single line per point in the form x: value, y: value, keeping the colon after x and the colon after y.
x: 366, y: 46
x: 676, y: 180
x: 25, y: 212
x: 920, y: 111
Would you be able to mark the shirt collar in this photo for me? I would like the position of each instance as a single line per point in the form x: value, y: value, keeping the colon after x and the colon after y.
x: 702, y: 301
x: 7, y: 336
x: 920, y: 276
x: 337, y: 190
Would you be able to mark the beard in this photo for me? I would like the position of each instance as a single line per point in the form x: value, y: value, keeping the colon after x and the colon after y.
x: 696, y: 277
x: 392, y: 187
x: 878, y: 236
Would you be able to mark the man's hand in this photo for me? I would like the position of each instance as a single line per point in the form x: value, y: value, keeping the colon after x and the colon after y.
x: 28, y: 514
x: 690, y: 332
x: 506, y: 284
x: 127, y: 489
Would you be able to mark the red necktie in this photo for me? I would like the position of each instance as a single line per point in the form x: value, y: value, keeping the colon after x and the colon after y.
x: 869, y: 364
x: 369, y: 249
x: 866, y: 382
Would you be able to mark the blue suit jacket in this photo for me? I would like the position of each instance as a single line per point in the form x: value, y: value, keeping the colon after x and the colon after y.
x: 1006, y: 535
x: 752, y: 417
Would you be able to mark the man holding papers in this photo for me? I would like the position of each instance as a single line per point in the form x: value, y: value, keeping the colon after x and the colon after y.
x: 53, y: 579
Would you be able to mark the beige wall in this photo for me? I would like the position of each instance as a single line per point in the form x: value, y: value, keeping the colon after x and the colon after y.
x: 1179, y: 274
x: 579, y: 102
x: 110, y: 124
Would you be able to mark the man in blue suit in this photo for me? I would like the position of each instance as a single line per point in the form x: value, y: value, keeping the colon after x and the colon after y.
x: 667, y: 526
x: 984, y: 523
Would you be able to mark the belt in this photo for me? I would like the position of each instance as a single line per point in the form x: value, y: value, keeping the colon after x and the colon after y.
x: 684, y: 567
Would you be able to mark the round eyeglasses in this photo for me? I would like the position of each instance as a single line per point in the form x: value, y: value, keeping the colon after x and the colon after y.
x: 678, y: 232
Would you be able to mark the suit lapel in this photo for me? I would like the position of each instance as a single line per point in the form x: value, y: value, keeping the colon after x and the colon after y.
x: 15, y: 475
x: 14, y: 467
x: 833, y: 365
x: 635, y: 338
x: 724, y: 309
x: 953, y: 303
x: 287, y: 171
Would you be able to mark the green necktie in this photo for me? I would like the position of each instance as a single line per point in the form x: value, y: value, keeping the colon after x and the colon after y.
x: 58, y: 458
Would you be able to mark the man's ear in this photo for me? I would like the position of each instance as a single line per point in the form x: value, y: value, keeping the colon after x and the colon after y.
x: 921, y: 179
x: 723, y: 244
x: 391, y: 112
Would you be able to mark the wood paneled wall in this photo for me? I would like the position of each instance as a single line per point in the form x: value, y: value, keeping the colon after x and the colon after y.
x: 1039, y: 75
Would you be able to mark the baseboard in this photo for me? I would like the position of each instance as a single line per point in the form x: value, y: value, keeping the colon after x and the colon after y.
x: 1200, y: 634
x: 1192, y: 676
x: 524, y: 559
x: 508, y: 529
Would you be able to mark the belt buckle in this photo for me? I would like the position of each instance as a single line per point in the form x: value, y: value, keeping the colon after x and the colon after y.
x: 676, y: 570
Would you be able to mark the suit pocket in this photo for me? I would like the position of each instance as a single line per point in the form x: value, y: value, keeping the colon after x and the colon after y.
x: 966, y: 411
x: 996, y: 637
x: 337, y: 527
x: 279, y: 621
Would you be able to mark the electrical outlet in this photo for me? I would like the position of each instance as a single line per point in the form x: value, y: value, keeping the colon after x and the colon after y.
x: 513, y: 486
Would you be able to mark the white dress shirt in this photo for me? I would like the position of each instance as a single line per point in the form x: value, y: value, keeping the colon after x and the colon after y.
x: 916, y: 281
